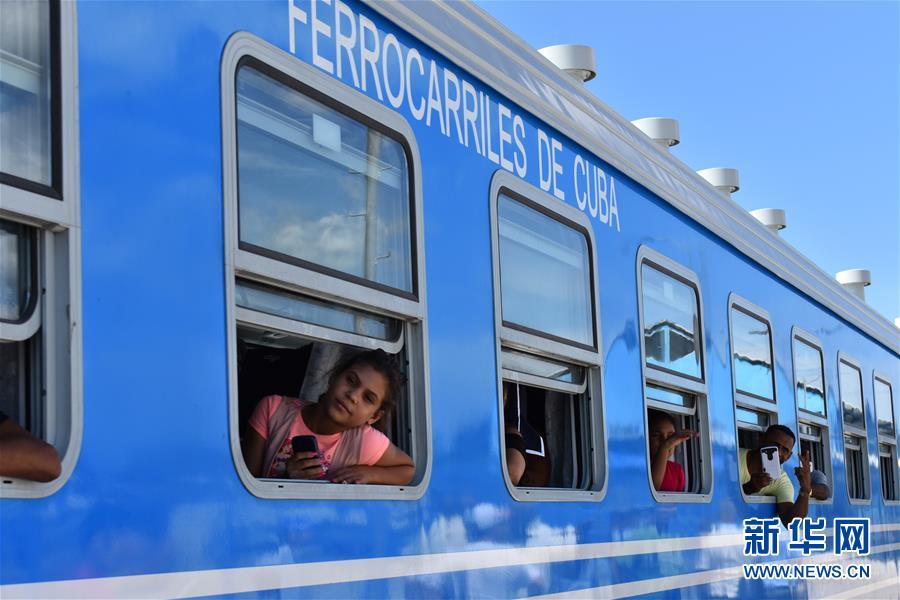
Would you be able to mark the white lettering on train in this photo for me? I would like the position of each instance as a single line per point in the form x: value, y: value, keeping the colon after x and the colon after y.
x: 378, y: 63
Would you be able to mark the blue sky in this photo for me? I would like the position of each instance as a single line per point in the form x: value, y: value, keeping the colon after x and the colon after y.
x: 801, y: 97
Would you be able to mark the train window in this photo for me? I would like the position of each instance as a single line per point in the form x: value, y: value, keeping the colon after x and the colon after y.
x: 751, y: 353
x: 673, y: 371
x: 29, y: 92
x: 887, y: 438
x: 812, y: 408
x: 856, y: 455
x: 547, y: 343
x: 40, y: 300
x: 752, y: 374
x: 323, y: 222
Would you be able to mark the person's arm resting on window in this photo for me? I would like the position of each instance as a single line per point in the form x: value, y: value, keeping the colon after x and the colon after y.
x: 788, y: 511
x: 24, y: 456
x: 395, y: 467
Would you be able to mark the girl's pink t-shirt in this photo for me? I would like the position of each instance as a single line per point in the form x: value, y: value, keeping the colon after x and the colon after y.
x: 673, y: 480
x: 374, y: 443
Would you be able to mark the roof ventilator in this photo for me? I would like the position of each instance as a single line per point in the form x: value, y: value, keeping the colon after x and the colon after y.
x: 722, y: 178
x: 773, y: 218
x: 576, y: 60
x: 855, y: 281
x: 662, y: 131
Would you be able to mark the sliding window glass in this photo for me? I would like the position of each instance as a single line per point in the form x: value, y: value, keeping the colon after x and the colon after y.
x: 887, y: 438
x: 324, y: 261
x: 675, y: 390
x: 856, y: 453
x: 812, y: 405
x: 40, y: 299
x: 548, y: 345
x: 752, y: 373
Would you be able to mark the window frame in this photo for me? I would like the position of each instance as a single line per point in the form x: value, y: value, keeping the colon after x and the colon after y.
x: 54, y: 212
x: 810, y: 418
x: 851, y: 431
x: 884, y: 439
x: 522, y: 339
x: 751, y: 401
x: 55, y: 189
x: 666, y: 378
x: 25, y: 327
x: 318, y: 281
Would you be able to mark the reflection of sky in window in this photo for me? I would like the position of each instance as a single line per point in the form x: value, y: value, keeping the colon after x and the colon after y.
x: 522, y: 362
x: 670, y: 396
x: 308, y: 190
x: 303, y: 308
x: 752, y: 355
x: 25, y: 91
x: 670, y: 322
x: 751, y: 417
x: 15, y: 270
x: 810, y: 382
x: 884, y: 408
x: 544, y: 274
x: 851, y: 395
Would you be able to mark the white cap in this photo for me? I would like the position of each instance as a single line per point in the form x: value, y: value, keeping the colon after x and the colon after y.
x: 575, y: 59
x: 662, y: 131
x: 723, y: 179
x: 773, y: 218
x: 855, y: 281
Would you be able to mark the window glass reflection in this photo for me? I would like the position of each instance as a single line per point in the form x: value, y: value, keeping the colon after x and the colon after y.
x: 851, y: 396
x: 810, y: 382
x: 545, y: 279
x: 670, y: 322
x: 319, y: 186
x: 25, y: 90
x: 541, y: 367
x: 670, y: 396
x: 310, y: 310
x: 751, y: 417
x: 16, y: 271
x: 752, y: 356
x: 884, y: 408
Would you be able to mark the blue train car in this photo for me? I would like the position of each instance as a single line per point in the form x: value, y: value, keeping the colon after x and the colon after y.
x: 205, y: 204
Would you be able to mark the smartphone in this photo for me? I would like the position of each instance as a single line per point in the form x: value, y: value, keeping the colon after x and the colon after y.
x: 304, y: 443
x: 770, y: 462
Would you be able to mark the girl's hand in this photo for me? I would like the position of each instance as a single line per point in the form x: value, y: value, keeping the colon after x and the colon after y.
x: 305, y: 465
x: 354, y: 474
x: 679, y: 437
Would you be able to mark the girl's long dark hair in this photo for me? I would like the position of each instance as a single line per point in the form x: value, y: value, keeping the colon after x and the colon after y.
x: 381, y: 362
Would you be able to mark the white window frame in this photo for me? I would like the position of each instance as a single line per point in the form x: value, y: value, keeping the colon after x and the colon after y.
x: 651, y: 375
x: 849, y: 430
x: 254, y: 267
x: 57, y: 315
x: 884, y: 439
x: 814, y: 419
x: 746, y: 401
x: 515, y: 339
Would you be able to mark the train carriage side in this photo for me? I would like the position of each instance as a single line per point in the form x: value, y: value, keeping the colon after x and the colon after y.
x: 526, y: 230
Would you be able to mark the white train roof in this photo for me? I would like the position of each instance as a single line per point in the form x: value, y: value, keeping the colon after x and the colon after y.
x: 478, y: 43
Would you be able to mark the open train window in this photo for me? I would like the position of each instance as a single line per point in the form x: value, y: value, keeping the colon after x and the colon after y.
x: 673, y: 368
x: 811, y: 402
x: 323, y: 251
x: 887, y: 438
x: 856, y: 452
x: 545, y: 290
x: 40, y: 297
x: 752, y: 374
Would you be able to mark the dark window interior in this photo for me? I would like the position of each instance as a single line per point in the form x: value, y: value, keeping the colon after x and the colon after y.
x: 560, y: 420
